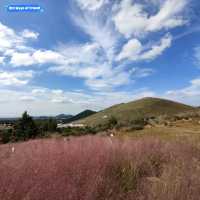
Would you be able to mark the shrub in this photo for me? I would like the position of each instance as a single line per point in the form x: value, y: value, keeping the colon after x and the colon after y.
x: 112, y: 122
x: 137, y: 124
x: 135, y: 127
x: 119, y: 126
x: 77, y: 131
x: 101, y: 127
x: 6, y: 135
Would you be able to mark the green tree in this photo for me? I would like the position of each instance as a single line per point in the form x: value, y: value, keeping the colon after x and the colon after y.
x: 25, y: 128
x: 52, y: 125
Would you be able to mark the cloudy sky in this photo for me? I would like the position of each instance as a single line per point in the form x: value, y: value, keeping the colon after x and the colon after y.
x: 91, y: 54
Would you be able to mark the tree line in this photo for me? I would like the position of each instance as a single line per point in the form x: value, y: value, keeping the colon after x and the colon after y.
x: 26, y: 128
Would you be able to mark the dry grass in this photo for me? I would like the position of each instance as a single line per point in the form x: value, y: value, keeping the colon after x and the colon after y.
x: 179, y: 130
x: 100, y: 168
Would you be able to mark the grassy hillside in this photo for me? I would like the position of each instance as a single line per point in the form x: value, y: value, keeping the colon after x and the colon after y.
x: 128, y: 112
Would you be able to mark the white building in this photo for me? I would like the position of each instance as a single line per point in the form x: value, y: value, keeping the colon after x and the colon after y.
x: 70, y: 125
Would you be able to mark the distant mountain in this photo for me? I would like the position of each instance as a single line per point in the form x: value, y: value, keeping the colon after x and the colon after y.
x: 80, y: 116
x: 60, y: 117
x: 41, y: 117
x: 63, y: 116
x: 8, y: 120
x: 146, y: 107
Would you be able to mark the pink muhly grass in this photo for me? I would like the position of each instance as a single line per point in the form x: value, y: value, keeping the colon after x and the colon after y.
x: 92, y: 167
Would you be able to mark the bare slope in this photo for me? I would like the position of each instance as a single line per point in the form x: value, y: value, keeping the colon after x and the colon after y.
x: 146, y: 107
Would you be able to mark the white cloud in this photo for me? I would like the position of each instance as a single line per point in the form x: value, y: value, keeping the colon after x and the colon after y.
x: 109, y: 82
x: 109, y: 28
x: 46, y: 56
x: 81, y: 61
x: 189, y: 94
x: 27, y: 98
x: 2, y: 60
x: 21, y: 59
x: 15, y: 78
x: 84, y: 61
x: 130, y: 50
x: 134, y: 50
x: 12, y: 41
x: 141, y: 72
x: 94, y: 72
x: 38, y: 57
x: 72, y: 102
x: 116, y: 78
x: 38, y: 91
x: 102, y: 77
x: 91, y: 4
x: 80, y: 53
x: 100, y: 28
x: 94, y: 61
x: 157, y: 50
x: 132, y: 19
x: 14, y: 46
x: 29, y: 34
x: 169, y: 15
x: 96, y: 78
x: 8, y: 38
x: 82, y: 71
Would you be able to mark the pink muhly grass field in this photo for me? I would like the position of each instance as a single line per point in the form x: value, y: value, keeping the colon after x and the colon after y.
x: 92, y: 167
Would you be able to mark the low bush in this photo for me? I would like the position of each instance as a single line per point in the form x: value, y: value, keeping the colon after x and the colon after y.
x: 135, y: 127
x: 6, y: 136
x: 77, y: 131
x: 137, y: 124
x: 111, y: 123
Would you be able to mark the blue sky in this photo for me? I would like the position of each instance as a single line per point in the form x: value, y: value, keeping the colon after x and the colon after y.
x: 91, y: 54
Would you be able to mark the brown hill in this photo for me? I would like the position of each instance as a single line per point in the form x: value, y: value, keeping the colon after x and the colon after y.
x: 146, y: 107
